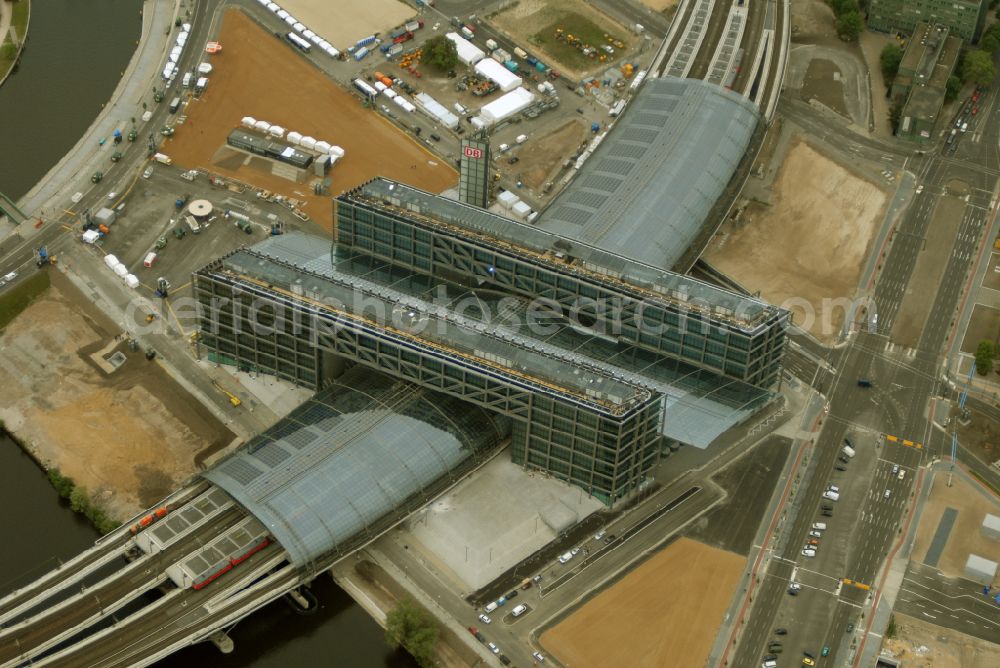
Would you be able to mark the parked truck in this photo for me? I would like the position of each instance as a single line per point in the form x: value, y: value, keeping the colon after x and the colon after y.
x: 520, y: 53
x: 491, y: 45
x: 500, y: 55
x: 192, y: 224
x: 415, y: 25
x: 162, y: 158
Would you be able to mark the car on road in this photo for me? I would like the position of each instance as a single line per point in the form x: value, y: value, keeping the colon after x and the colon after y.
x: 808, y: 654
x: 815, y: 534
x: 513, y: 160
x: 806, y: 661
x: 536, y: 579
x: 781, y: 632
x: 112, y: 195
x: 484, y: 619
x: 600, y: 534
x: 565, y: 557
x: 793, y: 592
x: 504, y: 660
x: 850, y: 627
x: 887, y: 494
x: 511, y: 594
x: 825, y: 652
x: 902, y: 472
x: 610, y: 539
x: 845, y: 459
x: 575, y: 551
x: 920, y: 189
x: 848, y: 442
x: 8, y: 278
x: 527, y: 585
x: 537, y: 656
x: 493, y: 648
x: 895, y: 469
x: 147, y: 172
x: 808, y: 552
x: 519, y: 610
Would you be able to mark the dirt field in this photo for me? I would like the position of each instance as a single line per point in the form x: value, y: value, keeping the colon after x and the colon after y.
x: 297, y: 97
x: 919, y: 644
x: 129, y: 437
x: 984, y: 324
x: 928, y: 271
x: 992, y: 278
x: 981, y: 436
x: 824, y: 82
x: 812, y: 21
x: 684, y: 588
x: 965, y: 536
x: 344, y: 22
x: 810, y: 245
x: 525, y: 19
x: 541, y: 159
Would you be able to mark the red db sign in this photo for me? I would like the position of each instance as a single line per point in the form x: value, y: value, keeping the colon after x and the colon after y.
x: 472, y: 152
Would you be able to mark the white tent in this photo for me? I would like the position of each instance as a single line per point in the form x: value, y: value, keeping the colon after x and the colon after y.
x: 337, y: 151
x: 276, y: 131
x: 263, y: 126
x: 468, y: 53
x: 498, y: 74
x: 506, y: 106
x: 90, y: 236
x: 248, y: 121
x: 111, y: 261
x: 322, y: 147
x: 131, y: 281
x: 121, y: 270
x: 294, y: 137
x: 308, y: 142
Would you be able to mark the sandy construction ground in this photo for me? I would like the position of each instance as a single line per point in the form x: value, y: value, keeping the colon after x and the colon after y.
x: 806, y: 251
x: 290, y: 92
x: 660, y: 5
x: 540, y: 160
x: 664, y: 613
x: 965, y: 536
x: 344, y: 22
x: 920, y: 644
x: 130, y: 437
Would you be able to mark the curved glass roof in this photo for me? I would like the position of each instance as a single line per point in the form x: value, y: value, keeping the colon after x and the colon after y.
x: 349, y: 456
x: 650, y: 184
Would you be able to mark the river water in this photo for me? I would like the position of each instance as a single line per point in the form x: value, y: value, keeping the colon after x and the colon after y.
x: 74, y: 58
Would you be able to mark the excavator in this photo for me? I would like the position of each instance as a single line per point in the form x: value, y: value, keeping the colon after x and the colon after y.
x: 233, y: 399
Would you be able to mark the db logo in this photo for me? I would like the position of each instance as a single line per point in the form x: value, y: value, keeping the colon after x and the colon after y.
x: 472, y: 152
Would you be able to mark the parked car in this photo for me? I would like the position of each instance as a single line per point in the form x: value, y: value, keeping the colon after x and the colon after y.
x: 806, y: 661
x: 887, y: 494
x: 826, y: 513
x: 781, y: 632
x: 850, y: 626
x: 895, y: 469
x: 537, y: 656
x: 565, y: 557
x: 815, y: 534
x: 841, y: 467
x: 808, y: 552
x: 600, y: 534
x: 493, y: 648
x: 512, y: 594
x: 484, y: 619
x: 794, y: 585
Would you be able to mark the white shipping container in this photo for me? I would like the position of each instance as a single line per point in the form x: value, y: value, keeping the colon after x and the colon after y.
x: 379, y: 86
x: 520, y: 210
x: 90, y: 236
x: 521, y: 139
x: 262, y: 126
x: 111, y: 261
x: 132, y: 281
x: 300, y: 27
x: 149, y: 260
x: 282, y: 14
x: 121, y: 270
x: 389, y: 93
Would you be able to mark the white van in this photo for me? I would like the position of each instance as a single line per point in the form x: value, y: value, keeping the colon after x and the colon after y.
x: 769, y: 664
x: 519, y: 610
x: 186, y: 81
x: 491, y: 606
x: 566, y: 557
x: 819, y: 526
x: 830, y: 494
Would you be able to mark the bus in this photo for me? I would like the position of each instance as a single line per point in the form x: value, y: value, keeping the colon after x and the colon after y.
x: 298, y: 42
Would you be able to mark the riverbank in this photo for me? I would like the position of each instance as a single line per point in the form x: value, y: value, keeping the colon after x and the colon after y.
x: 15, y: 18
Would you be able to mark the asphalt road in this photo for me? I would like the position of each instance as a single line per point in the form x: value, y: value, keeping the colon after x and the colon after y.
x: 953, y: 603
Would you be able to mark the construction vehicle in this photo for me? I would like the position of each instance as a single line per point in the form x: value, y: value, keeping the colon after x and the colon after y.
x: 244, y: 225
x: 162, y: 288
x: 277, y: 228
x: 179, y: 232
x: 43, y: 257
x: 150, y: 317
x: 161, y: 243
x: 233, y: 399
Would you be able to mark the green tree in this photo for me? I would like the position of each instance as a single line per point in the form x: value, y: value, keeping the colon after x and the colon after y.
x: 850, y: 25
x: 890, y: 631
x: 62, y: 484
x: 891, y: 56
x: 978, y: 68
x: 952, y: 88
x: 989, y: 43
x: 441, y: 53
x: 841, y: 7
x: 984, y: 357
x: 896, y: 112
x: 78, y: 500
x: 411, y: 627
x: 8, y: 51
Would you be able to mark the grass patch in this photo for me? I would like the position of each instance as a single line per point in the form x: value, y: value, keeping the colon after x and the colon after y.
x: 8, y: 54
x: 579, y: 26
x: 18, y: 297
x: 81, y: 503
